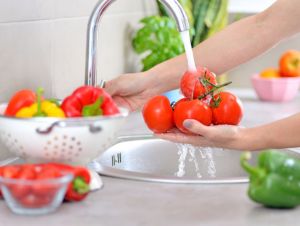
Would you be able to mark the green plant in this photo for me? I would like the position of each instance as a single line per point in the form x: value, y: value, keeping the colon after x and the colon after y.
x: 159, y: 39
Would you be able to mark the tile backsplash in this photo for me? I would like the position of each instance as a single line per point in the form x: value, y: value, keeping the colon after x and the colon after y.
x: 43, y: 42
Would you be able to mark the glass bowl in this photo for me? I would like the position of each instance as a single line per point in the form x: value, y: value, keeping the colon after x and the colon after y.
x: 34, y: 197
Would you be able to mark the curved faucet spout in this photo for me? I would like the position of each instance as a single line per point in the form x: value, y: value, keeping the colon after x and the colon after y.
x: 91, y: 63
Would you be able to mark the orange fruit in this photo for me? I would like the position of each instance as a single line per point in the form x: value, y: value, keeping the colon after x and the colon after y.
x: 270, y: 73
x: 289, y: 64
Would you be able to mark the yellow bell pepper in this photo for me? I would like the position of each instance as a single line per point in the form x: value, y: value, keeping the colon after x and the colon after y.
x: 48, y: 109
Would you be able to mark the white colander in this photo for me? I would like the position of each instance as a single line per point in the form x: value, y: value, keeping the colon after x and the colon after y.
x: 76, y: 141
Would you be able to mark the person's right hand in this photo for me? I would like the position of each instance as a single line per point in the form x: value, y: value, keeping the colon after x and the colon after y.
x: 133, y: 90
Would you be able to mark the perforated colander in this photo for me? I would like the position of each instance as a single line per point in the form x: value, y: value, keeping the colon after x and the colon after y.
x: 76, y: 141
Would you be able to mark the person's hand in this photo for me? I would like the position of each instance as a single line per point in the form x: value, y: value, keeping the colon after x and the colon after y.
x: 223, y: 136
x: 133, y: 90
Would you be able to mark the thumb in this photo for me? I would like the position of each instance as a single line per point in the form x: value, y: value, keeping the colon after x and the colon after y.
x: 196, y: 127
x: 111, y: 87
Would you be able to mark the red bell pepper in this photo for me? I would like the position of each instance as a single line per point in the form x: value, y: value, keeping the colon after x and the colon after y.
x: 21, y: 99
x: 89, y: 101
x: 79, y: 188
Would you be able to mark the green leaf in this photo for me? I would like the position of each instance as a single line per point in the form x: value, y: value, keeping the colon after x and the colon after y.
x: 158, y: 39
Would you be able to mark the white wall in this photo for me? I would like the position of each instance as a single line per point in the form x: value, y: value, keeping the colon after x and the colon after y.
x: 43, y: 42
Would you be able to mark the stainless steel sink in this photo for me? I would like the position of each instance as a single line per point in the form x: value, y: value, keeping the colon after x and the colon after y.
x: 149, y: 159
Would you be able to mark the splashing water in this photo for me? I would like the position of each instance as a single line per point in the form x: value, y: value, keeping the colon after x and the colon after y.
x: 211, y: 168
x: 185, y: 36
x: 185, y: 150
x: 182, y: 152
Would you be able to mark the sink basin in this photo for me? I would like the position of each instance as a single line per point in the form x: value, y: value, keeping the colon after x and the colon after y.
x: 149, y: 159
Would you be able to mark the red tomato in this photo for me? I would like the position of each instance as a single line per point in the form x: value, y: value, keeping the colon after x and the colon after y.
x: 23, y: 98
x: 179, y: 101
x: 158, y: 114
x: 190, y: 82
x: 227, y: 109
x: 27, y: 172
x: 11, y: 171
x: 33, y: 201
x: 191, y: 109
x: 46, y: 189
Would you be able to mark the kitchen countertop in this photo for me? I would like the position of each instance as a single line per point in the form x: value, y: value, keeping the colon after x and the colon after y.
x: 126, y: 202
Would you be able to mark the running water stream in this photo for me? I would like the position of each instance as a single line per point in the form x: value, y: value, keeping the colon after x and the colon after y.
x: 188, y: 151
x: 185, y: 37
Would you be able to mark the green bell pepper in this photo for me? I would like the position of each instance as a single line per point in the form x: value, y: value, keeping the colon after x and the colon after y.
x: 275, y: 182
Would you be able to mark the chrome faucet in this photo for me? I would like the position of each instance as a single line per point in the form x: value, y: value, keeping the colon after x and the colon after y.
x: 91, y: 70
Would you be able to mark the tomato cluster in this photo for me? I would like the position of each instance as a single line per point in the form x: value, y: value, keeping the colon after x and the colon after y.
x: 202, y: 102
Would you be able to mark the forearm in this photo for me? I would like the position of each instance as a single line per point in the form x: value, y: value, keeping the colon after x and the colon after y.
x: 227, y: 49
x: 279, y: 134
x: 236, y: 44
x: 250, y: 37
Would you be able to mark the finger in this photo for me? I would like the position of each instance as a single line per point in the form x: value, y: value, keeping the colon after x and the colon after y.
x: 186, y: 139
x: 174, y: 130
x: 122, y: 102
x: 196, y: 127
x: 111, y: 87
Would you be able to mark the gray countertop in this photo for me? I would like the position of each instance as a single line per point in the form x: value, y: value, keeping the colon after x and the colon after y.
x: 126, y: 202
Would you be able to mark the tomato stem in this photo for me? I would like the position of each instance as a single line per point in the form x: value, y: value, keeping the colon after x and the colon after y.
x: 213, y: 89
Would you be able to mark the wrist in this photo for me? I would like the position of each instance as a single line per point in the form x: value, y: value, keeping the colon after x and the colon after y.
x: 251, y: 139
x: 166, y: 76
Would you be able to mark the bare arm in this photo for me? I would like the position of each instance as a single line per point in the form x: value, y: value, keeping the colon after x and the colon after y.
x: 229, y: 48
x: 238, y: 43
x: 284, y: 133
x: 279, y: 134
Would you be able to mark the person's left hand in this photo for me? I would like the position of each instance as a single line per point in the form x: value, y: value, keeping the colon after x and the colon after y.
x: 224, y: 136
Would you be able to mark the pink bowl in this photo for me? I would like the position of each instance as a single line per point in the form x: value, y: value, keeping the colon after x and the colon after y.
x: 276, y: 89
